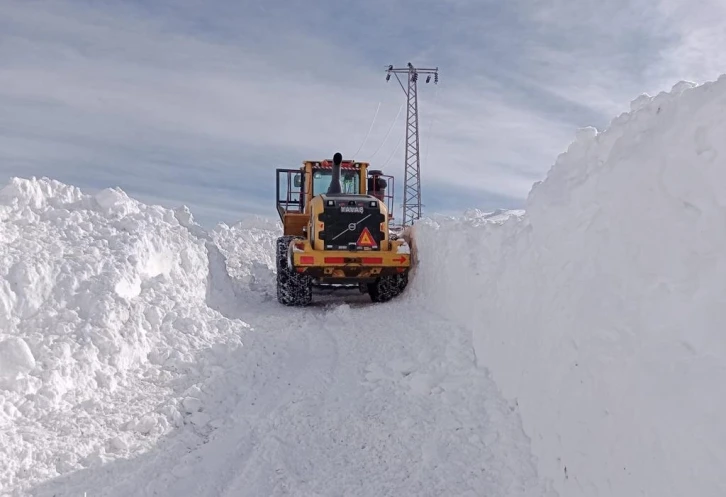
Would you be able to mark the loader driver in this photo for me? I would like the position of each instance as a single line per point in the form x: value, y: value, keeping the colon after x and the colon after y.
x: 349, y: 183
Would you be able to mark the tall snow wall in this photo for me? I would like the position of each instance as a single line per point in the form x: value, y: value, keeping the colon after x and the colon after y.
x: 108, y: 323
x: 602, y: 309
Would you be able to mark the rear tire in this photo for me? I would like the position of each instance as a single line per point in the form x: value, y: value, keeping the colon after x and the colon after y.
x: 293, y: 288
x: 388, y: 287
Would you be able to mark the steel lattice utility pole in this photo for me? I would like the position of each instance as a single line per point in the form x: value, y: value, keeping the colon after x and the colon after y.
x: 412, y: 178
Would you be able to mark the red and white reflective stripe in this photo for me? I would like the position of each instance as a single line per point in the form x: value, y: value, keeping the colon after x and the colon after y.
x: 363, y: 260
x: 344, y: 165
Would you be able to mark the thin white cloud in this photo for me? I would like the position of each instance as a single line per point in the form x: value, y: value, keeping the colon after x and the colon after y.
x: 83, y: 88
x: 602, y: 55
x: 701, y: 30
x: 151, y: 101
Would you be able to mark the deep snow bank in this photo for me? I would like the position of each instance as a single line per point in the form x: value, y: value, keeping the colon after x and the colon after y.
x: 601, y: 310
x: 106, y: 334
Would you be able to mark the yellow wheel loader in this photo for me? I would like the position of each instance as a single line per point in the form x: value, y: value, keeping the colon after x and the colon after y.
x: 336, y: 221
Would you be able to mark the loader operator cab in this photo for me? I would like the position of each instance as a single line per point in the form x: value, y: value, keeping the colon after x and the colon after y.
x: 296, y: 188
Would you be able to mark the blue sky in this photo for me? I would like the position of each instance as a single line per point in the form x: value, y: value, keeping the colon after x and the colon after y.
x: 196, y: 103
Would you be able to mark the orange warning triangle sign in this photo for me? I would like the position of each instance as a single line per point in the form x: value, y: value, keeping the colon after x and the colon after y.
x: 366, y: 239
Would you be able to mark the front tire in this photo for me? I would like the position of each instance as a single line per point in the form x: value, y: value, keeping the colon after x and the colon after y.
x: 293, y: 288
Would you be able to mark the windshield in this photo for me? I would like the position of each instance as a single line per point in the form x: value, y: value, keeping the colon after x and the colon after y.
x: 348, y: 181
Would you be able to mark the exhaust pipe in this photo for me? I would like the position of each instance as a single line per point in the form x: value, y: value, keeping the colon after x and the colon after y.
x: 335, y: 187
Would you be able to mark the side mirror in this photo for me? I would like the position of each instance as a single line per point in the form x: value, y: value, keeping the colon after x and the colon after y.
x: 297, y: 181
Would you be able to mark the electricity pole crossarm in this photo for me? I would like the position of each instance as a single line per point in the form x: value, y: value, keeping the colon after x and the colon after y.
x: 412, y: 181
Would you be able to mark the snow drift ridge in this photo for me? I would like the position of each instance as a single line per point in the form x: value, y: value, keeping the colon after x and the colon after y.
x: 104, y: 302
x: 600, y: 310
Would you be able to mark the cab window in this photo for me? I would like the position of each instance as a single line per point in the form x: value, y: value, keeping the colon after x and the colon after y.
x: 349, y: 181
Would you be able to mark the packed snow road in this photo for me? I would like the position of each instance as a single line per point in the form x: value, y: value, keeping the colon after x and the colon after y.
x: 335, y: 400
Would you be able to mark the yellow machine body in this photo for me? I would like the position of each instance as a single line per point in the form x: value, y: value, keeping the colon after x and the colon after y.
x: 339, y: 236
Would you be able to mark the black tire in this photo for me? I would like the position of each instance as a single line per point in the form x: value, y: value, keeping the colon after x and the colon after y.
x: 386, y: 288
x: 293, y: 289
